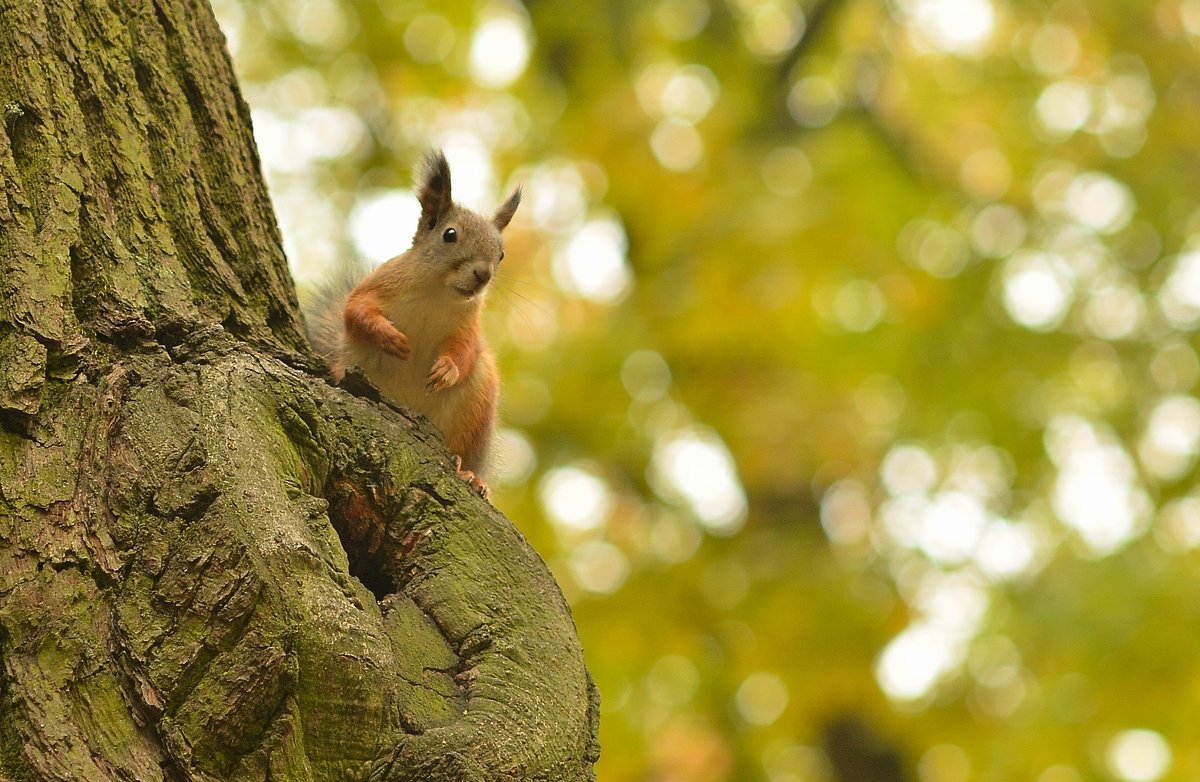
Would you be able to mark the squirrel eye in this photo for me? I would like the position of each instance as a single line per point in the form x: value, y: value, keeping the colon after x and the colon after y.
x: 501, y: 256
x: 451, y: 235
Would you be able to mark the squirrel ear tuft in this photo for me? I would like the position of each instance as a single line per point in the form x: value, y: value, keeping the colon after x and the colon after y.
x: 433, y: 188
x: 505, y: 213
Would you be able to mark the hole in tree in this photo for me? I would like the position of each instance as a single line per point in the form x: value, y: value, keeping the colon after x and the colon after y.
x: 360, y: 528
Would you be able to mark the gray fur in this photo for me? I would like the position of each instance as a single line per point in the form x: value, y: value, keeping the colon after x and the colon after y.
x: 323, y: 310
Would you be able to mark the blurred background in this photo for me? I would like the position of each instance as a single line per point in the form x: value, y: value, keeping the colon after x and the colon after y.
x: 848, y: 353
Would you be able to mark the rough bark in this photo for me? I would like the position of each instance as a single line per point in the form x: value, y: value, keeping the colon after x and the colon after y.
x: 213, y: 564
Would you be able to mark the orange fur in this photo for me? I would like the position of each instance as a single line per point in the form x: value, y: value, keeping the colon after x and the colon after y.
x: 365, y: 322
x: 463, y: 347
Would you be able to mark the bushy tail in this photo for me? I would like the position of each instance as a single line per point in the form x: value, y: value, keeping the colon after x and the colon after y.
x: 322, y: 308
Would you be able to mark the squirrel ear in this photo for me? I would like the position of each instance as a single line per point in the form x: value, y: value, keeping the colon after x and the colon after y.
x: 433, y: 188
x: 505, y: 213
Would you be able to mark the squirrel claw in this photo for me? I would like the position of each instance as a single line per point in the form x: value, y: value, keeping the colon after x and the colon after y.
x: 478, y: 484
x: 474, y: 481
x: 443, y: 375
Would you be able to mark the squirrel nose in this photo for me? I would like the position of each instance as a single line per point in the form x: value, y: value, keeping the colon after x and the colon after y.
x: 483, y: 274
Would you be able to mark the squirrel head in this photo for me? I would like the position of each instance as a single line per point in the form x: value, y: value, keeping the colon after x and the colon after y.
x: 458, y: 248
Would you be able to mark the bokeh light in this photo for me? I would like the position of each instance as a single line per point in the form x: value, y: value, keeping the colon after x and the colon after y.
x: 593, y: 263
x: 944, y: 763
x: 695, y: 466
x: 499, y: 51
x: 761, y: 698
x: 916, y: 660
x: 1097, y: 492
x: 957, y: 26
x: 1139, y: 756
x: 575, y: 498
x: 381, y: 223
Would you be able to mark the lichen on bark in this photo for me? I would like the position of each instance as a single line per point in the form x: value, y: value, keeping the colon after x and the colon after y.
x: 214, y: 564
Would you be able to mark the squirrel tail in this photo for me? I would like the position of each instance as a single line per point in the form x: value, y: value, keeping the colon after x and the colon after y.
x: 322, y: 309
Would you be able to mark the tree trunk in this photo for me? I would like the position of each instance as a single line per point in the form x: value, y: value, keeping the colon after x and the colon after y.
x: 213, y: 564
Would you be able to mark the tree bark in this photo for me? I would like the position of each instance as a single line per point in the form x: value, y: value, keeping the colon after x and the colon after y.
x: 214, y: 564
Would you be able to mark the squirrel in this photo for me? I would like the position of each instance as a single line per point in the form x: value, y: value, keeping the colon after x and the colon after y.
x: 412, y: 325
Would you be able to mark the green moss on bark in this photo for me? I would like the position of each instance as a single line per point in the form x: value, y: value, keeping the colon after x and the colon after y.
x: 12, y: 761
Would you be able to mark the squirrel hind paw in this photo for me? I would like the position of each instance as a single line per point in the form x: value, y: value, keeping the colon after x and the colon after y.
x: 474, y: 481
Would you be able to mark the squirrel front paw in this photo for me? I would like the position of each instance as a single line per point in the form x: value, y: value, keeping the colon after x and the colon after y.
x: 395, y: 344
x: 443, y: 375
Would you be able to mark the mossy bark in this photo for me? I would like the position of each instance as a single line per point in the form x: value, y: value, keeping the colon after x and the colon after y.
x: 213, y: 564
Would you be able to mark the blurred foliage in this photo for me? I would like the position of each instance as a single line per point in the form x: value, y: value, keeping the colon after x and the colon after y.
x: 848, y: 350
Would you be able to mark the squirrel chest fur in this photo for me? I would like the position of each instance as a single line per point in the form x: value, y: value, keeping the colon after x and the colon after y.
x: 413, y: 326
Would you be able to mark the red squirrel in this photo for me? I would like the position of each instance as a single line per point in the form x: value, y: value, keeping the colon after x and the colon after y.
x: 412, y: 325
